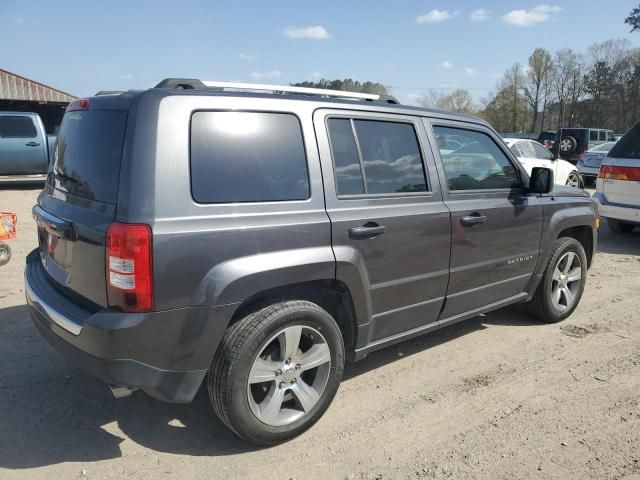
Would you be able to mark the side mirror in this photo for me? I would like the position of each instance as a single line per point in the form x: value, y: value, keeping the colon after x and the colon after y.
x: 541, y: 180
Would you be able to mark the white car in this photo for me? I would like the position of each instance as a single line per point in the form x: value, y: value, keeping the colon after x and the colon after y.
x: 532, y: 154
x: 618, y: 184
x: 589, y: 162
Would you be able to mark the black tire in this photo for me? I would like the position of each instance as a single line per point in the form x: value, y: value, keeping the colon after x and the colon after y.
x: 541, y: 305
x: 243, y: 342
x: 5, y: 254
x: 568, y: 145
x: 616, y: 226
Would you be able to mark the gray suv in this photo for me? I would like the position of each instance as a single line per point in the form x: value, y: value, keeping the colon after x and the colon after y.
x: 201, y: 230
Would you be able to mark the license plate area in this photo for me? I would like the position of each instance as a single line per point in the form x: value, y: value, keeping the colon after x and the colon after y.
x: 56, y: 255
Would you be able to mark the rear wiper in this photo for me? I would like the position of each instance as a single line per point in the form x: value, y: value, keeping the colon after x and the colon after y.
x: 62, y: 176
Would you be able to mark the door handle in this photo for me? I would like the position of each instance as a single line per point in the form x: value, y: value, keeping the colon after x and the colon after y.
x: 368, y: 230
x: 473, y: 220
x: 32, y: 144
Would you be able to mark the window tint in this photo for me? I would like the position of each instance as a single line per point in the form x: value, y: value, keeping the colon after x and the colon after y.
x: 593, y: 135
x: 17, y: 127
x: 345, y: 157
x: 629, y: 145
x: 541, y: 152
x: 389, y: 155
x: 86, y: 159
x: 247, y: 157
x: 478, y: 164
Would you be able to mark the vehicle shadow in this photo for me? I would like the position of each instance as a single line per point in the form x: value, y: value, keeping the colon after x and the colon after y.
x: 53, y: 412
x: 619, y: 244
x: 515, y: 315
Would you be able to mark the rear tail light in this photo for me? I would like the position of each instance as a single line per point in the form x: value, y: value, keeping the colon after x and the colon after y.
x: 581, y: 156
x: 129, y: 272
x: 612, y: 172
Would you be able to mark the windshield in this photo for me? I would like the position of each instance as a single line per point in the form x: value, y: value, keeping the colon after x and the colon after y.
x: 86, y: 159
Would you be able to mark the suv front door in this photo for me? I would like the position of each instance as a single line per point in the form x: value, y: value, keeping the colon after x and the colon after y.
x: 496, y: 225
x: 390, y: 229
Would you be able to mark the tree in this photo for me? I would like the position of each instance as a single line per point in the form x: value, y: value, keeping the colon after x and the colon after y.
x: 459, y: 101
x: 507, y: 110
x: 633, y: 20
x: 563, y: 77
x: 347, y: 84
x: 540, y: 67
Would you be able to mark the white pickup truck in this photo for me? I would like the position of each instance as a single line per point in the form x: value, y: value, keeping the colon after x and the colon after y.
x: 25, y: 147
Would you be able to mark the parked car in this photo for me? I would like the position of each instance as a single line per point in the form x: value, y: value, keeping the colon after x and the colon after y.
x: 25, y: 147
x: 618, y: 184
x: 576, y: 141
x: 589, y: 162
x: 259, y: 240
x: 531, y: 154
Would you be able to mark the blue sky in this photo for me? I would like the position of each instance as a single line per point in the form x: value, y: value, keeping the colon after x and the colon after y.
x: 409, y: 45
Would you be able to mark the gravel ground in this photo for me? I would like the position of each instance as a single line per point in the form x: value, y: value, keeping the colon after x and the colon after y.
x: 498, y: 396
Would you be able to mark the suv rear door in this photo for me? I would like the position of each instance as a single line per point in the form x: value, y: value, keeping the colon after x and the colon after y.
x: 79, y: 200
x: 388, y: 222
x: 496, y: 225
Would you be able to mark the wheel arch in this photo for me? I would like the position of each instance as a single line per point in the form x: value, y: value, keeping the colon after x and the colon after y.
x: 331, y: 294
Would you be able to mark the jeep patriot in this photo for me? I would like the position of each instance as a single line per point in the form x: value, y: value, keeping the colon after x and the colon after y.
x: 256, y: 237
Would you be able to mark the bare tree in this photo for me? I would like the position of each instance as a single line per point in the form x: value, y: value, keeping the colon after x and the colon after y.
x: 540, y: 67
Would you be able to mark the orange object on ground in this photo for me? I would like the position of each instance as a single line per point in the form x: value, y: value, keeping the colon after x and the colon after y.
x: 8, y: 225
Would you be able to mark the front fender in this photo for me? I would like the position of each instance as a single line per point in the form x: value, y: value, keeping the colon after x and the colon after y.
x: 236, y: 280
x: 560, y: 217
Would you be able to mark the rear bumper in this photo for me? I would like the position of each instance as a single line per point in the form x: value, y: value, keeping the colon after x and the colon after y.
x: 617, y: 212
x: 166, y: 354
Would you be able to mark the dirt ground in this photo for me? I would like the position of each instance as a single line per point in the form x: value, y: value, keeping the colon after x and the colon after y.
x: 499, y: 396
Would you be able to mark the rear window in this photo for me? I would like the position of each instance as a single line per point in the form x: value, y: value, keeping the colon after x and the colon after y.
x: 629, y: 145
x: 247, y: 157
x: 86, y: 160
x: 17, y: 127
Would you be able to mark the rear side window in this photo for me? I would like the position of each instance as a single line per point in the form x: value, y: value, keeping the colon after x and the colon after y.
x: 247, y: 157
x: 381, y: 158
x: 593, y: 135
x: 15, y: 126
x: 478, y: 164
x: 629, y: 145
x: 88, y: 153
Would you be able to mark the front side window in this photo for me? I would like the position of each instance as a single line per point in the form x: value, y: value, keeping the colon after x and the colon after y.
x: 593, y: 135
x: 541, y: 152
x: 247, y: 157
x: 14, y: 126
x: 375, y: 157
x: 478, y: 164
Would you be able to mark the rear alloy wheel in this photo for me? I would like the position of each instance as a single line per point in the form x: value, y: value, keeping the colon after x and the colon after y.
x: 277, y: 371
x: 616, y: 226
x: 574, y: 180
x: 563, y: 282
x: 5, y: 254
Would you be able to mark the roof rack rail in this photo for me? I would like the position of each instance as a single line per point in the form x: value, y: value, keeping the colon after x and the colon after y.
x: 189, y: 83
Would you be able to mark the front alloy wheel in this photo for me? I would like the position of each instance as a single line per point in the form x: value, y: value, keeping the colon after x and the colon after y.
x: 567, y: 279
x: 563, y: 282
x: 574, y: 180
